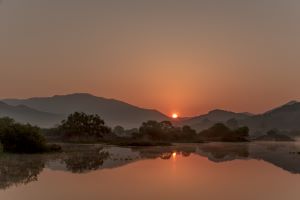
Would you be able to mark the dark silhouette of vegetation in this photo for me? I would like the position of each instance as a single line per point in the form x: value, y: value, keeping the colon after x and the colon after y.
x: 154, y: 130
x: 165, y: 131
x: 220, y: 132
x: 122, y: 132
x: 153, y: 133
x: 83, y: 127
x: 19, y: 138
x: 119, y: 131
x: 5, y: 123
x: 274, y: 135
x: 22, y: 138
x: 80, y: 127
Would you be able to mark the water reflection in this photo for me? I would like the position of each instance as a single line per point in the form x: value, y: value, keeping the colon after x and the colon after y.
x: 23, y: 169
x: 283, y: 155
x: 80, y: 162
x: 19, y: 169
x: 219, y: 152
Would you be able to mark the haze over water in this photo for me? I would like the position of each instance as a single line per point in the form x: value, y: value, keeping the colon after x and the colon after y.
x: 193, y: 171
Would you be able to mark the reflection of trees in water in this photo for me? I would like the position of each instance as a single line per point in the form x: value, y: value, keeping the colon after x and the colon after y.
x: 280, y: 154
x: 221, y: 152
x: 165, y: 152
x: 79, y: 162
x: 22, y: 169
x: 166, y: 156
x: 19, y: 169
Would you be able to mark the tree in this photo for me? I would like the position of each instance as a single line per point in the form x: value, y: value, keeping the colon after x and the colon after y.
x: 217, y: 130
x: 188, y: 133
x: 19, y: 138
x: 5, y: 123
x: 119, y: 131
x: 242, y: 132
x: 151, y: 129
x: 220, y: 132
x: 157, y: 130
x: 81, y: 124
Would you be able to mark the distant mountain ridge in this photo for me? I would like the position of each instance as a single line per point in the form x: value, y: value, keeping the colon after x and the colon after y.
x: 290, y: 103
x: 48, y: 111
x: 24, y: 114
x: 114, y: 112
x: 207, y: 120
x: 285, y: 117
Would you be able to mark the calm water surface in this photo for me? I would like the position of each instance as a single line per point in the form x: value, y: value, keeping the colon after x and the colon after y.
x: 251, y: 171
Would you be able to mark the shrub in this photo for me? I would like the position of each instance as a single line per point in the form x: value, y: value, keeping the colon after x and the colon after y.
x: 220, y: 132
x: 20, y: 138
x: 81, y: 125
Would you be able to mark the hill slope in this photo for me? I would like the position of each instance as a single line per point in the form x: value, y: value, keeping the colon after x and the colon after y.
x: 286, y: 117
x: 205, y: 121
x: 25, y: 114
x: 114, y: 112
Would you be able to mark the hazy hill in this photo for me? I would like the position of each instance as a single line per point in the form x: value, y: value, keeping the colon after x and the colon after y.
x: 24, y: 114
x: 114, y: 112
x: 205, y: 121
x: 48, y: 111
x: 283, y: 118
x: 286, y: 117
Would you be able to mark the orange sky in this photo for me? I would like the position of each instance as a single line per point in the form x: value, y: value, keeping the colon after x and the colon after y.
x: 187, y: 57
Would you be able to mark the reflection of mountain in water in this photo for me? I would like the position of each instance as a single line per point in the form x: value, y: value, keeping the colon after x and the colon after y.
x: 285, y: 155
x: 281, y: 154
x: 22, y: 169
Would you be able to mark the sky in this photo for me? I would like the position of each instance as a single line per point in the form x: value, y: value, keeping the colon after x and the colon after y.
x: 183, y: 56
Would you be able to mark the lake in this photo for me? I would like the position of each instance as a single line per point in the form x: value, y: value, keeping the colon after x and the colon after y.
x: 225, y: 171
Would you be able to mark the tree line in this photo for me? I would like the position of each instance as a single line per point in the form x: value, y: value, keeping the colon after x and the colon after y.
x: 82, y: 127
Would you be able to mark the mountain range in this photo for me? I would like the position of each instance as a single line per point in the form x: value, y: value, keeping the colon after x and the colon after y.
x: 49, y: 111
x: 207, y: 120
x: 114, y: 112
x: 25, y: 114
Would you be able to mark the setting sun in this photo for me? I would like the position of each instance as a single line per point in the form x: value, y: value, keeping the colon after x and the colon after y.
x: 174, y: 115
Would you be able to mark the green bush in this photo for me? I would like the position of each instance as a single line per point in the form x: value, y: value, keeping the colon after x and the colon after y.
x: 21, y: 138
x: 220, y: 132
x: 83, y: 126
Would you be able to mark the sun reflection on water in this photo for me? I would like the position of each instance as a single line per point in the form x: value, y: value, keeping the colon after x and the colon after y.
x: 174, y: 154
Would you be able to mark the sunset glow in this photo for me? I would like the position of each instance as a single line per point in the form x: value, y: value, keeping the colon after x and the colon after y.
x: 174, y: 115
x: 149, y: 99
x: 174, y: 154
